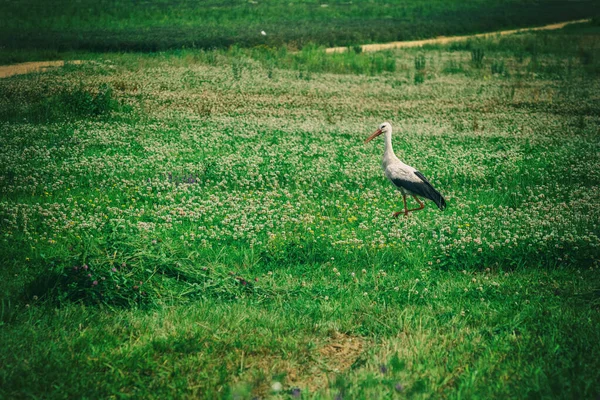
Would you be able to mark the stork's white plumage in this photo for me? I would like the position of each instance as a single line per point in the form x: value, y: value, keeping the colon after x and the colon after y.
x: 406, y: 178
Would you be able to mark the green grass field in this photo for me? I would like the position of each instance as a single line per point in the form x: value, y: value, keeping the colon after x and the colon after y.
x: 151, y: 25
x: 209, y: 224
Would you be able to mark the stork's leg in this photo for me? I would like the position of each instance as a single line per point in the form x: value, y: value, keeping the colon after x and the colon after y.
x: 421, y: 205
x: 405, y: 208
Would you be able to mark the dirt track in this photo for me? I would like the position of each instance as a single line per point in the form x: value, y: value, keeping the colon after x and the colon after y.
x: 28, y: 67
x: 444, y: 39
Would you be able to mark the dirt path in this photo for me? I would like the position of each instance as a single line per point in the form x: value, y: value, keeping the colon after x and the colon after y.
x: 28, y: 67
x: 444, y: 39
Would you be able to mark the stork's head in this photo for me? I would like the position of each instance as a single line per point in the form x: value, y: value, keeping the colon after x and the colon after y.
x: 385, y: 128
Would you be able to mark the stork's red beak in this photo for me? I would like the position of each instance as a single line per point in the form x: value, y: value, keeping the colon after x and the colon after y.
x: 373, y: 136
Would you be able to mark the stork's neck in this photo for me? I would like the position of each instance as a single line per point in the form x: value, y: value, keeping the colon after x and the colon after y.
x: 389, y: 151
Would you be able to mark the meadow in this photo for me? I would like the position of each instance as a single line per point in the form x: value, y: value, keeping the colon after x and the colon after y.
x: 209, y: 223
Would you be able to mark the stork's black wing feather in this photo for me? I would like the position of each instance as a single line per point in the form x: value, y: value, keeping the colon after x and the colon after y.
x: 423, y: 188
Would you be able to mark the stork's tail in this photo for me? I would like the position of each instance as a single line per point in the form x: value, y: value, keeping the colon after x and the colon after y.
x: 439, y: 200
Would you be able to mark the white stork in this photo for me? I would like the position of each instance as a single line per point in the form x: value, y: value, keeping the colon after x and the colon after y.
x: 407, y: 179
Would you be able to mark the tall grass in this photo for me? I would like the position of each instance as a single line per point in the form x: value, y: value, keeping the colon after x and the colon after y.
x: 43, y: 105
x: 526, y: 49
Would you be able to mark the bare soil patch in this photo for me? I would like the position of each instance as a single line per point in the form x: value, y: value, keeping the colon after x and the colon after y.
x: 341, y: 352
x: 337, y: 354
